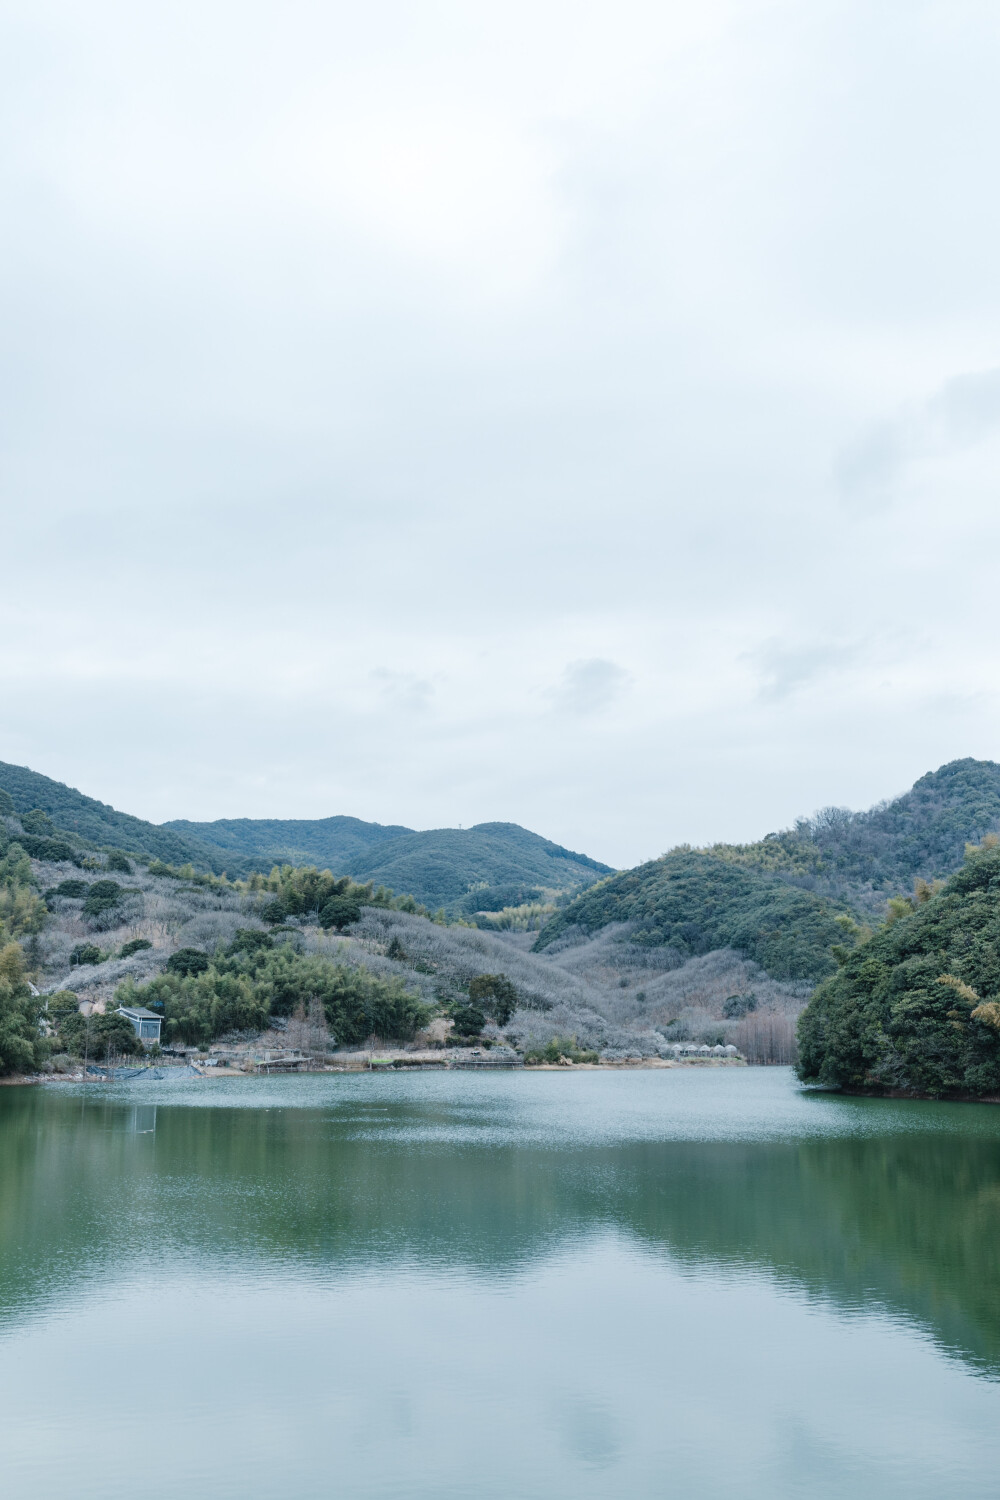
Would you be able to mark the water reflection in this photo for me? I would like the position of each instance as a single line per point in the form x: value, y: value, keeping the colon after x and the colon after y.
x: 904, y: 1214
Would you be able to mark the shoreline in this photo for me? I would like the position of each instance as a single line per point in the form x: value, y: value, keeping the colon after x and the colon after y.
x: 647, y: 1064
x: 907, y: 1094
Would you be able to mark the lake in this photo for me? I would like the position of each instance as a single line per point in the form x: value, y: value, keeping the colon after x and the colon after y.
x: 695, y: 1283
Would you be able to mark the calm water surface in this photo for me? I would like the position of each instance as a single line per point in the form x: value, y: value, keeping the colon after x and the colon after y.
x: 680, y: 1283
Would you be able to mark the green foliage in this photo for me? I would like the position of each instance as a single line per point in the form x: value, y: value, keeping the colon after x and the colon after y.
x: 334, y: 901
x: 912, y: 1009
x: 61, y: 1004
x: 252, y: 980
x: 101, y: 897
x: 137, y: 945
x: 469, y: 1020
x: 38, y: 822
x: 339, y: 912
x: 694, y: 902
x: 87, y: 819
x: 76, y: 889
x: 792, y: 852
x: 188, y: 961
x: 739, y: 1005
x: 495, y: 898
x: 560, y: 1049
x: 22, y: 910
x: 22, y: 1048
x: 119, y: 861
x: 6, y: 804
x: 924, y: 832
x: 97, y: 1036
x: 496, y: 995
x: 249, y: 940
x: 86, y: 953
x: 46, y: 848
x: 440, y: 867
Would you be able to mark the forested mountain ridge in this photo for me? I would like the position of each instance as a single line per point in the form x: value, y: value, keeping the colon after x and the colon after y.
x: 337, y: 842
x: 787, y: 901
x: 921, y: 834
x: 461, y: 869
x: 868, y: 856
x: 95, y: 824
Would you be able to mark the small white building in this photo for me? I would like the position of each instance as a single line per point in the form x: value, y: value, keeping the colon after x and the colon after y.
x: 146, y: 1022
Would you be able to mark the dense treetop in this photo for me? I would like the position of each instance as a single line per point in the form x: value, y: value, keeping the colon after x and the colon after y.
x: 917, y: 1008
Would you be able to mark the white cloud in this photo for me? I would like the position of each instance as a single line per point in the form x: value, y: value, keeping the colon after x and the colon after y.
x: 586, y: 687
x: 376, y: 381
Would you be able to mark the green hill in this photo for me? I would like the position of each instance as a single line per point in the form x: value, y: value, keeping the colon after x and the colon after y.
x: 336, y: 843
x: 465, y: 869
x: 778, y: 901
x: 922, y: 833
x: 91, y: 823
x: 917, y: 1008
x: 694, y: 902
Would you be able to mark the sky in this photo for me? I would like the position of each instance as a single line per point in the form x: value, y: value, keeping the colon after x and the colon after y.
x: 583, y: 414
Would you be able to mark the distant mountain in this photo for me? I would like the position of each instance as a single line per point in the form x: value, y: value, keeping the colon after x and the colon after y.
x: 463, y: 869
x: 87, y: 821
x: 778, y: 901
x: 337, y: 843
x: 470, y: 868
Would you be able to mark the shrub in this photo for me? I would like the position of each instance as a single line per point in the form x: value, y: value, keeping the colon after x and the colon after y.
x: 188, y: 961
x: 76, y: 890
x: 738, y: 1005
x: 51, y: 849
x: 61, y: 1004
x: 96, y: 1035
x: 560, y: 1049
x: 496, y: 995
x: 86, y: 953
x: 38, y: 822
x: 340, y: 912
x: 241, y: 988
x: 101, y: 897
x: 250, y: 940
x: 274, y: 912
x: 469, y: 1020
x: 117, y: 860
x: 137, y: 945
x: 6, y: 804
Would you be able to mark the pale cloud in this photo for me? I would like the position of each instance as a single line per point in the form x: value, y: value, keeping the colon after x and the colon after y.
x: 587, y: 687
x: 963, y: 412
x: 427, y: 413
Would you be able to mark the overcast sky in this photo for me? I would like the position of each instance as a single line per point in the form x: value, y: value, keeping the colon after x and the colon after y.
x: 581, y: 414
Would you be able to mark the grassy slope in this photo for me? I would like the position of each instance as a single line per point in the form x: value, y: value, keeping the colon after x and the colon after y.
x: 884, y: 1020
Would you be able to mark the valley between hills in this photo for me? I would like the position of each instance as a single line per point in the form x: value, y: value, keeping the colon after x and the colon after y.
x: 495, y: 939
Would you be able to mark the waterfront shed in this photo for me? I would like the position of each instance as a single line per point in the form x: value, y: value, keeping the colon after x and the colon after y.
x: 146, y: 1022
